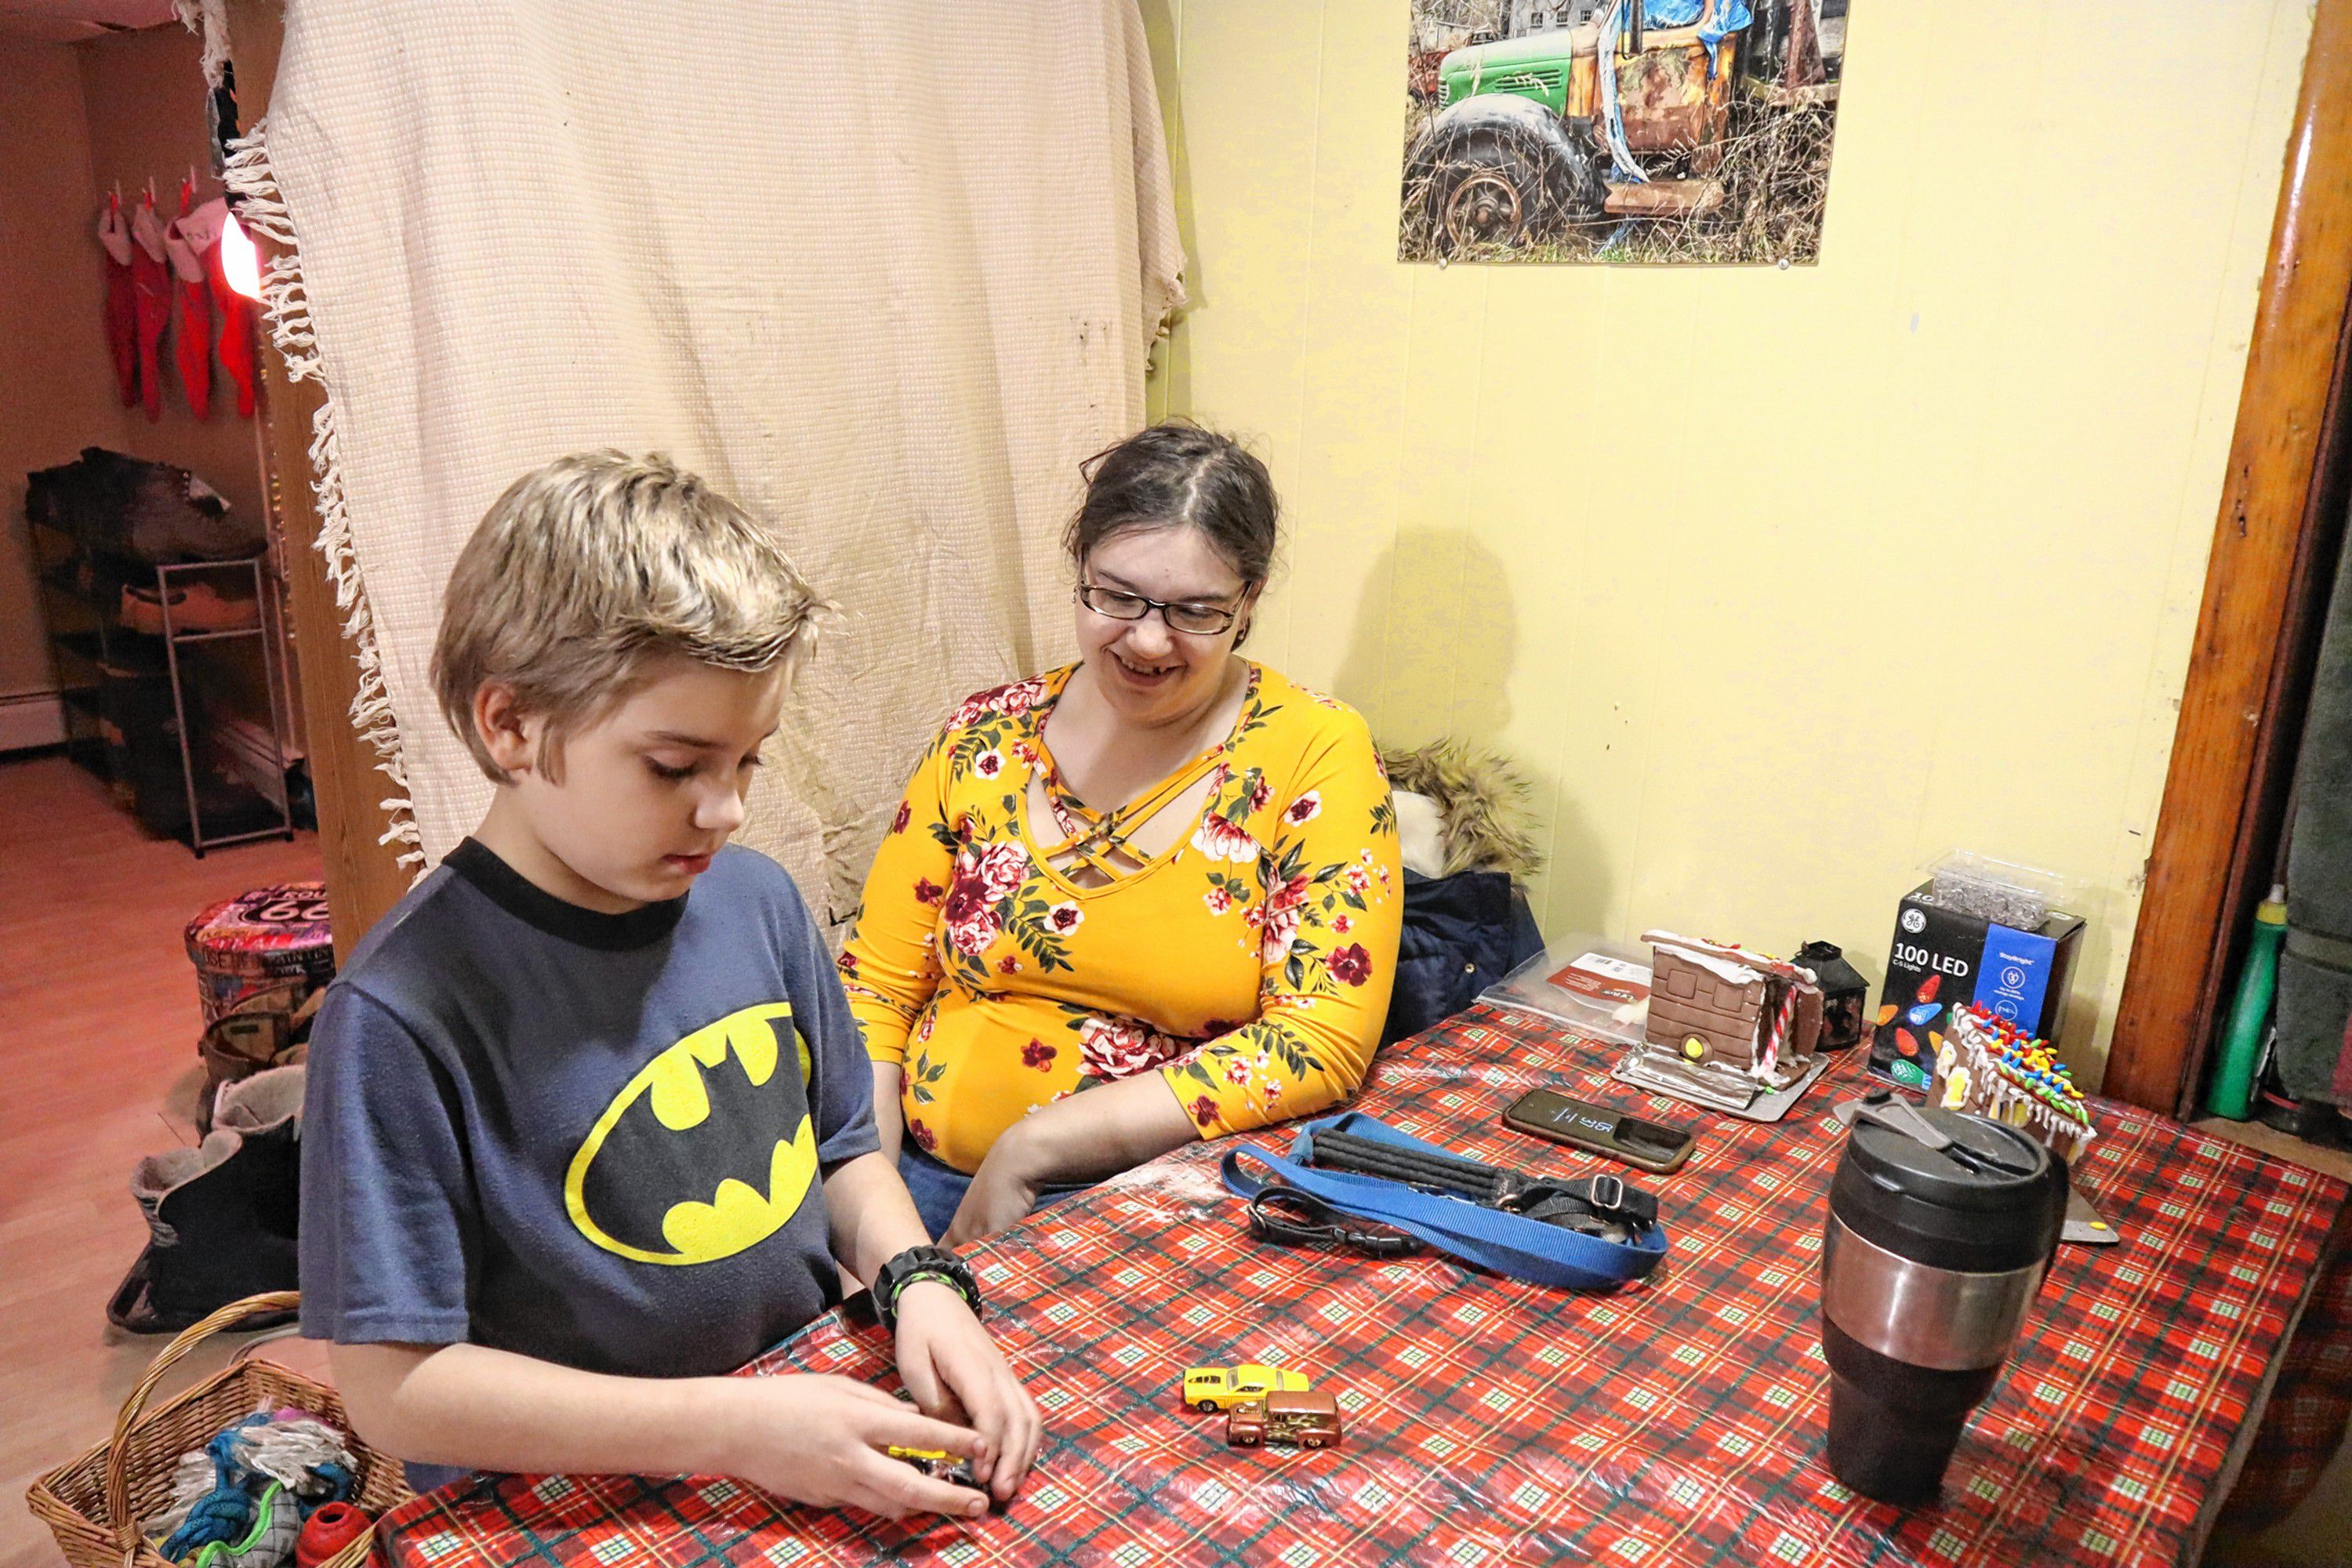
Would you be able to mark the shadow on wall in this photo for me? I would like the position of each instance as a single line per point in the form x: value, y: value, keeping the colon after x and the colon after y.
x: 1430, y: 656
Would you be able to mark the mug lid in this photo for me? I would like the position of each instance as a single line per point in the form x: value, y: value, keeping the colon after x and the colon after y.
x: 1984, y: 1166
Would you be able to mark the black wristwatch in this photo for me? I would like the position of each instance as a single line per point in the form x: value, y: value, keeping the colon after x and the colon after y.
x: 923, y: 1263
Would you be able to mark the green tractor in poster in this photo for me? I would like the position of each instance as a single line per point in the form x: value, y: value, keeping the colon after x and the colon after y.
x: 1532, y: 135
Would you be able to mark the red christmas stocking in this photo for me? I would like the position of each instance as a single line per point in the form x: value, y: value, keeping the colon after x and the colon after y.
x: 121, y: 314
x: 150, y: 289
x: 202, y: 230
x: 235, y: 336
x: 192, y: 347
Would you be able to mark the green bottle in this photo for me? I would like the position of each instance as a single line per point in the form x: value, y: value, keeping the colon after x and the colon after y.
x: 2233, y: 1081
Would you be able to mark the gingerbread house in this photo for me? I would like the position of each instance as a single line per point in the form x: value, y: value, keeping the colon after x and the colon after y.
x: 1726, y: 1024
x: 1989, y: 1066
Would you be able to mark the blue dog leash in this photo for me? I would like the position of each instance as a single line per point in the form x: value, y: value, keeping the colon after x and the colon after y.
x: 1492, y: 1239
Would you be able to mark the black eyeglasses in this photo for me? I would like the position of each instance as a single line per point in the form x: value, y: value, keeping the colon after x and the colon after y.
x: 1198, y: 620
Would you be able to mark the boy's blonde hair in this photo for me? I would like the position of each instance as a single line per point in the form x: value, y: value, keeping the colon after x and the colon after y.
x: 588, y: 569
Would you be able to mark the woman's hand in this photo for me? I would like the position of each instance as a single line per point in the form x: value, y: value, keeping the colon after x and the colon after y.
x: 955, y: 1371
x: 820, y: 1440
x: 1001, y: 1193
x: 1111, y: 1127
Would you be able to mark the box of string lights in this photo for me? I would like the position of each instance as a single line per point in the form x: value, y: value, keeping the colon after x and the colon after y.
x: 1979, y: 930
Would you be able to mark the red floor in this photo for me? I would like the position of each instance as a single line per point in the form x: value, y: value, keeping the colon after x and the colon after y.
x: 97, y: 1027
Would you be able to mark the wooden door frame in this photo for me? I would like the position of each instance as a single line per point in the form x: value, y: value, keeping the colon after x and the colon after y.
x: 2249, y: 671
x: 365, y: 878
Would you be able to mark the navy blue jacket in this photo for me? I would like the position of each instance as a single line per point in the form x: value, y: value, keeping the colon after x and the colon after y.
x: 1461, y: 934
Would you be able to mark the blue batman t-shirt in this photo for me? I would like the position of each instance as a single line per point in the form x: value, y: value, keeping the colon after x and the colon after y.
x: 595, y: 1140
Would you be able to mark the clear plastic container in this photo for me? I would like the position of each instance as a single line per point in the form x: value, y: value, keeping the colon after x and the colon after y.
x: 2018, y: 897
x: 1597, y: 987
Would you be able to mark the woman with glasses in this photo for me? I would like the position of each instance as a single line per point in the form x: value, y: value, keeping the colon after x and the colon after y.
x: 1147, y: 897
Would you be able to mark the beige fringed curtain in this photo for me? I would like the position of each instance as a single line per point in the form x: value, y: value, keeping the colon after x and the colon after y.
x: 886, y: 273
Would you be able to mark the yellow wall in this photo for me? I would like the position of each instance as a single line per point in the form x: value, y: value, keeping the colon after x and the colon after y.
x: 1777, y: 583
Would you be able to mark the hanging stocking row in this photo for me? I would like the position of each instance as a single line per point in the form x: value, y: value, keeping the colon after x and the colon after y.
x: 155, y: 271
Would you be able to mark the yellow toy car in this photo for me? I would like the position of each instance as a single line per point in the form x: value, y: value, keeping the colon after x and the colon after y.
x: 1213, y: 1388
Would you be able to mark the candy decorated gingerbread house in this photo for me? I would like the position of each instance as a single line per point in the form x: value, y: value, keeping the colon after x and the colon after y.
x: 1992, y: 1067
x: 1726, y: 1024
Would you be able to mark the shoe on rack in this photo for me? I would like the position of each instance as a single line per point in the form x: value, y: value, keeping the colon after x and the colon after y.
x: 196, y: 607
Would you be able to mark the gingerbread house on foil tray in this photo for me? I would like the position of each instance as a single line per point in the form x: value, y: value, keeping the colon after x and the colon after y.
x: 1726, y: 1025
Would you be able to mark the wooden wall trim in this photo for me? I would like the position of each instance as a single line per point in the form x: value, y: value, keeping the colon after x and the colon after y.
x: 364, y: 877
x: 2198, y: 866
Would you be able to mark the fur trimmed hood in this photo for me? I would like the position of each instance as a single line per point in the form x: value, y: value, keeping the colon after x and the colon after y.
x: 1481, y: 802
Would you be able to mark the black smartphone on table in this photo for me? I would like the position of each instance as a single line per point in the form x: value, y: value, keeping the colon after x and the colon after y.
x: 1597, y: 1130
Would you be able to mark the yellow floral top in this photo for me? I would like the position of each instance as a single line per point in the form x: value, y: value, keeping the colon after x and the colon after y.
x: 1249, y: 963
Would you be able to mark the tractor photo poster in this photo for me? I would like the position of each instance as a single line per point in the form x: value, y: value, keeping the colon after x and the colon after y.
x: 1609, y: 130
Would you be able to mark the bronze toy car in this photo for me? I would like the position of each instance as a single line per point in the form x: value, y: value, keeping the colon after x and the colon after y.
x: 1304, y: 1416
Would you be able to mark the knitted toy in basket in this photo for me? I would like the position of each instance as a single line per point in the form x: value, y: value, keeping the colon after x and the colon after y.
x: 277, y: 1526
x: 240, y: 1503
x: 1989, y: 1066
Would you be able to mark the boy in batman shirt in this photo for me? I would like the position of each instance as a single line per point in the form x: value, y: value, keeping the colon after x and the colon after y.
x: 588, y: 1122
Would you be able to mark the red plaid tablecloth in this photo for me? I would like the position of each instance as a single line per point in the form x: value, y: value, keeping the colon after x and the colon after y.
x: 2303, y: 1424
x: 1493, y: 1422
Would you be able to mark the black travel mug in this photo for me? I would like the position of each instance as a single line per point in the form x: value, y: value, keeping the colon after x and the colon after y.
x: 1941, y: 1225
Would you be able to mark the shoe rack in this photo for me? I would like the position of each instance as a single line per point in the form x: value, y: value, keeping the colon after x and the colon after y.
x: 110, y: 675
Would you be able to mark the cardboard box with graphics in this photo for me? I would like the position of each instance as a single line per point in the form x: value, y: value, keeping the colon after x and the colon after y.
x: 1942, y: 959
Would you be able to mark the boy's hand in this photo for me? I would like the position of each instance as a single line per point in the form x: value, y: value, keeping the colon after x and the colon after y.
x: 954, y: 1370
x: 819, y: 1440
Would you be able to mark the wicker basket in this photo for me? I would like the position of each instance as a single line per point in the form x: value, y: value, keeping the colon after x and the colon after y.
x: 93, y: 1505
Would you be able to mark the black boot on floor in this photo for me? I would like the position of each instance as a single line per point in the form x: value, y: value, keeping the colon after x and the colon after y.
x: 221, y: 1216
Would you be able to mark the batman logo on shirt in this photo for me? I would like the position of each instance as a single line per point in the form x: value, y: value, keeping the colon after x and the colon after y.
x: 708, y: 1150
